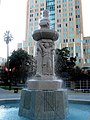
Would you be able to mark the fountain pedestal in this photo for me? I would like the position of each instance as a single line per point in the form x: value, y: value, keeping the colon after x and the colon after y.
x: 44, y: 98
x: 44, y: 105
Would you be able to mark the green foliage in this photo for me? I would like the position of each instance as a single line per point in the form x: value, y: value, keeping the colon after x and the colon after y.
x: 3, y: 76
x: 17, y: 57
x: 21, y: 66
x: 64, y: 64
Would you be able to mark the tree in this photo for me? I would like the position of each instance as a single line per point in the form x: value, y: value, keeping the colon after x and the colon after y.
x: 21, y: 66
x: 64, y: 64
x: 3, y: 75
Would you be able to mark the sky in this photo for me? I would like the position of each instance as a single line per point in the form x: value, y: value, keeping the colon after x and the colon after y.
x: 13, y: 19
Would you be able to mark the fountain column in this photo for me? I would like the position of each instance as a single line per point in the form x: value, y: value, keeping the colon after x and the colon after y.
x: 44, y: 98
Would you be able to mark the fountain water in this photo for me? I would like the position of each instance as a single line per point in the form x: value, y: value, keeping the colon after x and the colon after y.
x: 44, y: 98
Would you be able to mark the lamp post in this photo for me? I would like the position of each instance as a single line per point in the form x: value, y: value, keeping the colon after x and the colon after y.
x: 7, y: 38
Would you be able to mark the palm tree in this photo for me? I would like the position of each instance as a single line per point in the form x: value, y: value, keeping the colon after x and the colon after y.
x: 7, y: 38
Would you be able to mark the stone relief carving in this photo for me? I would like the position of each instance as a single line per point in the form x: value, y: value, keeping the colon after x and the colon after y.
x: 47, y: 49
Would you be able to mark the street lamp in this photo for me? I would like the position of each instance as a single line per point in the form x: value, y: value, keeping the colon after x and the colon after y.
x: 7, y: 38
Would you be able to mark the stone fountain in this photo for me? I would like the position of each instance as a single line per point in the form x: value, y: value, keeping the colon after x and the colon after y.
x: 44, y: 98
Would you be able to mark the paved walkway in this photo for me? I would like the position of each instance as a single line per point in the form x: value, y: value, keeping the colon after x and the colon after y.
x: 79, y: 96
x: 6, y: 94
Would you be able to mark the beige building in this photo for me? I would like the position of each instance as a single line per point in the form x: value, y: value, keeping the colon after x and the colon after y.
x: 86, y: 50
x: 66, y: 18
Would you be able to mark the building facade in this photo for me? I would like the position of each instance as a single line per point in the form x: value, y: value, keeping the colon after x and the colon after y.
x: 66, y: 18
x: 86, y: 51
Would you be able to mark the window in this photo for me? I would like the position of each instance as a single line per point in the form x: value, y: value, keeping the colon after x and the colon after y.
x: 65, y: 19
x: 72, y: 40
x: 70, y: 4
x: 78, y: 21
x: 64, y: 5
x: 71, y: 54
x: 71, y: 29
x: 78, y: 40
x: 77, y: 16
x: 79, y: 60
x: 77, y: 47
x: 71, y: 24
x: 59, y: 25
x: 66, y: 35
x: 77, y: 54
x: 70, y: 14
x: 71, y: 35
x: 70, y: 9
x: 59, y: 6
x: 42, y: 4
x: 77, y: 2
x: 41, y: 9
x: 30, y: 44
x: 66, y: 40
x: 66, y: 24
x: 87, y: 60
x: 76, y: 7
x: 31, y: 11
x: 69, y: 19
x: 58, y: 20
x: 31, y: 15
x: 76, y: 26
x: 64, y: 0
x: 65, y: 30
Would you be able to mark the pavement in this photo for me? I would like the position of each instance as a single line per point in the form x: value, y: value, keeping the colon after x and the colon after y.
x: 79, y: 96
x: 10, y: 95
x: 6, y: 94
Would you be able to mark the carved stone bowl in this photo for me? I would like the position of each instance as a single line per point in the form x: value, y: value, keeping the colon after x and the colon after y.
x: 45, y: 34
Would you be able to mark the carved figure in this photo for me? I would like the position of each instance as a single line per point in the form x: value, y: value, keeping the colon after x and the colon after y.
x: 47, y: 49
x: 45, y: 13
x: 39, y: 60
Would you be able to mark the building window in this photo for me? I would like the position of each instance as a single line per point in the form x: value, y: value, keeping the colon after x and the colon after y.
x: 77, y: 47
x: 71, y: 54
x: 77, y: 16
x: 41, y: 9
x: 87, y: 60
x: 76, y: 7
x: 59, y: 25
x: 59, y: 6
x: 59, y: 11
x: 71, y: 35
x: 66, y: 40
x: 70, y: 14
x: 71, y: 29
x: 71, y: 24
x: 31, y: 15
x: 77, y: 54
x: 66, y: 24
x: 69, y: 19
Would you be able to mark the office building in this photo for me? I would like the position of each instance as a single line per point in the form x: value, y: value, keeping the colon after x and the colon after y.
x: 66, y: 18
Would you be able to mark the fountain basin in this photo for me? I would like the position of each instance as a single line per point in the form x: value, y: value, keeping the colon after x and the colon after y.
x: 77, y: 110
